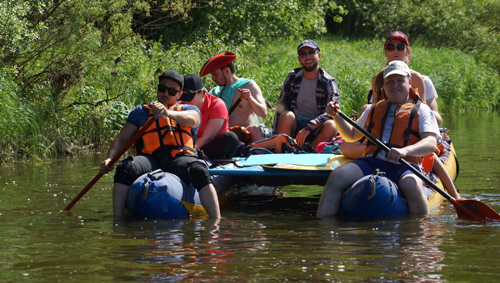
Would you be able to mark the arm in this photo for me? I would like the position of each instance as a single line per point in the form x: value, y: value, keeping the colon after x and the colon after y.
x: 211, y: 129
x: 283, y: 101
x: 125, y: 134
x: 441, y: 172
x: 417, y: 82
x: 253, y: 95
x: 434, y: 107
x: 431, y: 95
x: 348, y: 132
x: 426, y: 145
x: 190, y: 118
x: 377, y: 83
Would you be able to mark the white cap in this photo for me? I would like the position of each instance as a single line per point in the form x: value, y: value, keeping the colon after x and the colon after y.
x: 396, y: 68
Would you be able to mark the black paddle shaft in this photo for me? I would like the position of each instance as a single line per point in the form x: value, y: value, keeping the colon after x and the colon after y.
x: 401, y: 160
x: 234, y: 106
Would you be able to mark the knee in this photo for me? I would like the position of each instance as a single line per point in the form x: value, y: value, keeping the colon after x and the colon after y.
x: 253, y: 129
x: 124, y: 174
x: 287, y: 117
x: 330, y: 127
x: 338, y: 180
x: 412, y: 180
x: 412, y: 186
x: 199, y: 175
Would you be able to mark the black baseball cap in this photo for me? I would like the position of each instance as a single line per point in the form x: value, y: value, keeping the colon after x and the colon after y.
x: 192, y: 84
x: 174, y: 76
x: 308, y: 43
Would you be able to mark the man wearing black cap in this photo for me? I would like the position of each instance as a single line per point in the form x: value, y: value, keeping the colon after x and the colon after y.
x: 173, y: 153
x: 303, y: 100
x: 213, y: 136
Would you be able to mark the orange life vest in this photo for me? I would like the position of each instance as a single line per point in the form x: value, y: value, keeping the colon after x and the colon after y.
x: 404, y: 130
x: 167, y: 134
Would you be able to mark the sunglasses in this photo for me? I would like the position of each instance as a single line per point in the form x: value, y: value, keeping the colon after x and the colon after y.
x: 171, y: 91
x: 188, y: 95
x: 399, y: 46
x: 304, y: 54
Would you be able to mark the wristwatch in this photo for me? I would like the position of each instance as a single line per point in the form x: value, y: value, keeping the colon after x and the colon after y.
x: 308, y: 127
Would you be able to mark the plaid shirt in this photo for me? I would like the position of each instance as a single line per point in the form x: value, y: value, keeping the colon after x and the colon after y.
x: 326, y: 91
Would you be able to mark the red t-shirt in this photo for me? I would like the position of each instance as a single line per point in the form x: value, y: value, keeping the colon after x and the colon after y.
x: 213, y: 108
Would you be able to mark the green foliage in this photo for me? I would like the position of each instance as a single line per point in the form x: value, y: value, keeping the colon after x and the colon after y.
x: 462, y: 83
x: 471, y: 26
x: 236, y: 22
x: 17, y: 32
x: 22, y: 131
x: 70, y: 71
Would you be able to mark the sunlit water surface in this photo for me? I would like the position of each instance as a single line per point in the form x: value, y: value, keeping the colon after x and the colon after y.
x: 261, y: 238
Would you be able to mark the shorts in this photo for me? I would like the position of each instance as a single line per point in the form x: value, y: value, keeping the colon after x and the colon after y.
x: 225, y: 145
x: 392, y: 171
x: 266, y: 132
x: 186, y: 167
x: 190, y: 169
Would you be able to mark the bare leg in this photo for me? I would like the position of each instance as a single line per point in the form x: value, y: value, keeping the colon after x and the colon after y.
x: 255, y: 132
x: 210, y: 201
x: 340, y: 179
x: 411, y: 186
x: 326, y: 134
x: 287, y: 123
x: 441, y: 172
x: 120, y: 192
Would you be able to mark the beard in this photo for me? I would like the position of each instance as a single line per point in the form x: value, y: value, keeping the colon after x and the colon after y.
x: 310, y: 68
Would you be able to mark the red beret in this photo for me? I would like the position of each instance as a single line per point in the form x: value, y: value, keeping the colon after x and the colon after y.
x: 216, y: 62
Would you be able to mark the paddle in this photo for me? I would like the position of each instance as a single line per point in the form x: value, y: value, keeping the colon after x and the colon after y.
x: 234, y: 106
x: 113, y: 160
x: 467, y: 209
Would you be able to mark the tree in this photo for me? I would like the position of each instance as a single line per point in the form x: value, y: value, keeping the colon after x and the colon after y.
x: 235, y: 22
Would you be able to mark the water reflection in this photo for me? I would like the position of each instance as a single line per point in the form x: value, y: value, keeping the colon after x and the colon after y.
x: 406, y: 249
x: 184, y: 249
x: 261, y: 238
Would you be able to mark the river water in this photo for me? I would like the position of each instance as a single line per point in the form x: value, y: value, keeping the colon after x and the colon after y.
x: 260, y: 238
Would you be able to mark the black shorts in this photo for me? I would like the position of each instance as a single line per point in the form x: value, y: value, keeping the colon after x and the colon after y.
x: 187, y: 167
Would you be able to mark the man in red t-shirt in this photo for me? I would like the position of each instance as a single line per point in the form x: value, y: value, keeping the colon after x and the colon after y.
x: 213, y: 136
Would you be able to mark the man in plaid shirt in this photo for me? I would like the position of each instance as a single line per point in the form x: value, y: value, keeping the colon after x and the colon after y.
x: 303, y: 100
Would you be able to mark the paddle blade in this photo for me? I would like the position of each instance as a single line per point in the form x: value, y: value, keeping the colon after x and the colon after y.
x: 469, y: 209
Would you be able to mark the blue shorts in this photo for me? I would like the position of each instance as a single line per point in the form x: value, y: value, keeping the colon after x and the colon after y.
x: 392, y: 171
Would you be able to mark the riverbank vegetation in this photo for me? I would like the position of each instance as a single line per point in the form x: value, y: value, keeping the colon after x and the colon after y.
x: 70, y: 71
